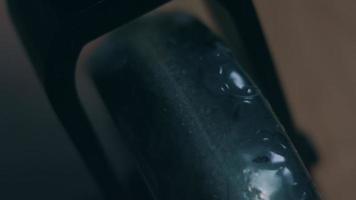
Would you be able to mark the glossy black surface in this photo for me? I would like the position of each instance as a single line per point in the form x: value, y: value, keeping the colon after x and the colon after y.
x: 261, y: 68
x: 197, y: 125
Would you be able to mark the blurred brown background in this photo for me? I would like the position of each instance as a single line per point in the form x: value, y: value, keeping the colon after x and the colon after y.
x: 313, y: 44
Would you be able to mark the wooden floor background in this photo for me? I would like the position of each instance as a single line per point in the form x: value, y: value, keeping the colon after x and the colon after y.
x: 313, y: 43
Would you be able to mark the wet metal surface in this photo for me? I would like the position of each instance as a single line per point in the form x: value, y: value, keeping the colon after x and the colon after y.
x: 198, y: 126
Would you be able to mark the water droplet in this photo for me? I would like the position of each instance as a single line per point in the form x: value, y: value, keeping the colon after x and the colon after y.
x: 247, y: 101
x: 287, y: 174
x: 227, y: 80
x: 245, y: 171
x: 277, y: 158
x: 221, y: 70
x: 248, y: 92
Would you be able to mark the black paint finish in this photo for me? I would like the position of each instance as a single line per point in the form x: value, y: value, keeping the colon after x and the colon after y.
x: 197, y: 125
x: 191, y: 113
